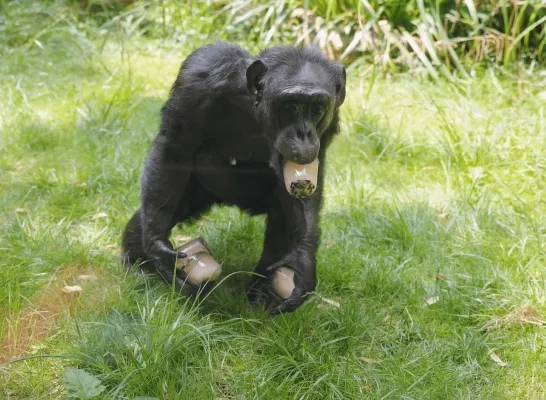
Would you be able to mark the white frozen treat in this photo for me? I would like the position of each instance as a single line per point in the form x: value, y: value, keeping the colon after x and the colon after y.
x: 283, y: 282
x: 300, y: 180
x: 199, y: 266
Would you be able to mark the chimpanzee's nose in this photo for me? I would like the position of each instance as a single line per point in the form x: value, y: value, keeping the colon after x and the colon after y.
x: 302, y: 151
x: 300, y: 145
x: 304, y: 133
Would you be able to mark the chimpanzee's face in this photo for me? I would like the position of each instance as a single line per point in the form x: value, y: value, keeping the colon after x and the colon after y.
x: 295, y: 105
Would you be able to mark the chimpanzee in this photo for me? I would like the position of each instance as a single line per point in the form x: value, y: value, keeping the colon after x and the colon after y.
x: 238, y: 130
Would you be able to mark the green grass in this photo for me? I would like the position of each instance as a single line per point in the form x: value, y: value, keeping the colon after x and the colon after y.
x: 434, y: 192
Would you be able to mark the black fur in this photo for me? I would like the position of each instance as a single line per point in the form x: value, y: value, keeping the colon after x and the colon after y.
x: 227, y: 105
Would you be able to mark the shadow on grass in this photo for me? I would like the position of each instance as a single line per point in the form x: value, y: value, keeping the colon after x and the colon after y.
x: 384, y: 256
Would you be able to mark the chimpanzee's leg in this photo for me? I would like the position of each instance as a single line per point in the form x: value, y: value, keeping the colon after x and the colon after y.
x: 133, y: 252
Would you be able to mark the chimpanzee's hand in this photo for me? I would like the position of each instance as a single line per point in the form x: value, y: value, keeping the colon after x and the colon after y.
x: 261, y: 289
x: 163, y: 258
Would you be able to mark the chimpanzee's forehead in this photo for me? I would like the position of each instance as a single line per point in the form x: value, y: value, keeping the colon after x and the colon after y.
x: 306, y: 76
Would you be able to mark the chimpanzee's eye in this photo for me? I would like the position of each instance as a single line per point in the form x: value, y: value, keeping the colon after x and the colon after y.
x: 317, y: 110
x: 292, y: 107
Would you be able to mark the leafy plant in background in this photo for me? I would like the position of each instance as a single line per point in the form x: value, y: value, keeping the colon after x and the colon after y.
x: 82, y: 385
x: 437, y: 37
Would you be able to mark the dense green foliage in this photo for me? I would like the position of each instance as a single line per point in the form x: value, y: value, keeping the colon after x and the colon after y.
x: 408, y: 33
x: 439, y: 36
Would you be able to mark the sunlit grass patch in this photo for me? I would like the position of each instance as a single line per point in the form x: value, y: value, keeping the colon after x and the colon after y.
x: 432, y: 258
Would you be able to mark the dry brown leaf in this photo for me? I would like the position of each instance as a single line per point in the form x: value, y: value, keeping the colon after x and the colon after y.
x: 441, y: 276
x: 99, y: 215
x: 523, y: 315
x: 71, y: 289
x: 335, y: 39
x: 497, y: 359
x: 433, y: 300
x: 441, y: 214
x: 529, y: 315
x: 300, y: 12
x: 331, y: 302
x: 181, y: 239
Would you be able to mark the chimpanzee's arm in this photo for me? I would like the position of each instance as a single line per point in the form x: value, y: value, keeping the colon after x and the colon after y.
x: 291, y: 240
x: 164, y: 183
x: 301, y: 225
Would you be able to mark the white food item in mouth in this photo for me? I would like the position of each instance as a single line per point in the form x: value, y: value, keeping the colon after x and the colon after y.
x: 301, y: 180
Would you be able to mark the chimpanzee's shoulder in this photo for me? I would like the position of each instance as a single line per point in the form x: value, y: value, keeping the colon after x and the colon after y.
x: 214, y: 62
x: 217, y: 70
x: 215, y: 54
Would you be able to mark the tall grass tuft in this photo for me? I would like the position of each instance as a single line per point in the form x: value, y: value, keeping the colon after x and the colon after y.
x: 437, y: 37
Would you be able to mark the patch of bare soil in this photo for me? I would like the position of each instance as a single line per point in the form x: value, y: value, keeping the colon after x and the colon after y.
x: 73, y: 288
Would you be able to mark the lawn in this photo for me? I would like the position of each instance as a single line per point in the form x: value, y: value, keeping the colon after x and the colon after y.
x: 431, y: 270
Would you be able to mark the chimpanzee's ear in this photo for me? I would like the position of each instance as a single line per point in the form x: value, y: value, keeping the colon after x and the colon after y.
x: 340, y: 86
x: 254, y: 74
